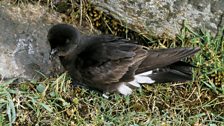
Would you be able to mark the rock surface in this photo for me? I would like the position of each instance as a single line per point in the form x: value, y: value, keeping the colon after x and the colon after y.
x: 158, y: 17
x: 23, y: 38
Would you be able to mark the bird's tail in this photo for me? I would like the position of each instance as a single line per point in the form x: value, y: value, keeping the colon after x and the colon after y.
x: 164, y: 65
x: 176, y: 72
x: 161, y: 66
x: 163, y: 57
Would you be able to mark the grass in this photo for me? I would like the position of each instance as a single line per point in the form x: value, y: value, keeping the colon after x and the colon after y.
x: 53, y: 101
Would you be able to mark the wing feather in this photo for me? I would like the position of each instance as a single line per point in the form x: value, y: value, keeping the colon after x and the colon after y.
x: 109, y: 62
x: 163, y: 57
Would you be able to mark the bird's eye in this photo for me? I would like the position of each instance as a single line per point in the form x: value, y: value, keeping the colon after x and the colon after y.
x: 67, y: 41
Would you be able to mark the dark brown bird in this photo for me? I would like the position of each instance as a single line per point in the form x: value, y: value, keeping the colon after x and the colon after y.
x: 113, y: 64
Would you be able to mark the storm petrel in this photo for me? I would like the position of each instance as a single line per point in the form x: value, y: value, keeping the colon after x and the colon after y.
x: 114, y: 64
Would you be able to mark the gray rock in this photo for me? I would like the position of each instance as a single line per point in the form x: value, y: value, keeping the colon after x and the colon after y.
x: 23, y: 38
x: 158, y: 17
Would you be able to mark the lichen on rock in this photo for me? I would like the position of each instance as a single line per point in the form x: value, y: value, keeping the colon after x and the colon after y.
x: 23, y: 38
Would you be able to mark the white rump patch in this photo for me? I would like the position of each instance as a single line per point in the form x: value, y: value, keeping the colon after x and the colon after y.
x: 146, y: 73
x: 124, y: 89
x: 134, y: 83
x: 143, y: 78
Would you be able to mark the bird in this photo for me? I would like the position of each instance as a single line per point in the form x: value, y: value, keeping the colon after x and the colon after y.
x: 111, y: 64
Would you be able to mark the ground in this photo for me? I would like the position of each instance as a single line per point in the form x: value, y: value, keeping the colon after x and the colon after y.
x: 53, y: 101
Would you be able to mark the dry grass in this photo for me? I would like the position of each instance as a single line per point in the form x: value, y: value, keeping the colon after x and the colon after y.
x: 54, y: 101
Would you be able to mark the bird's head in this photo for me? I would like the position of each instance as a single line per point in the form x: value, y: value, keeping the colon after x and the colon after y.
x: 63, y: 39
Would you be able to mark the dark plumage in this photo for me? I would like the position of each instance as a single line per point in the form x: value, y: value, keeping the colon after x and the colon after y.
x: 109, y: 64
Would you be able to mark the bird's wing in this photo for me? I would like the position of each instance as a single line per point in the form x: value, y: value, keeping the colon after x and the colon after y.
x: 163, y: 57
x: 109, y: 62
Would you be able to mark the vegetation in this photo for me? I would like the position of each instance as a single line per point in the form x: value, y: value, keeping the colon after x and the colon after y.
x: 53, y: 101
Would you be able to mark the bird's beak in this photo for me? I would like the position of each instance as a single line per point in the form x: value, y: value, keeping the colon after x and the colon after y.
x: 53, y: 53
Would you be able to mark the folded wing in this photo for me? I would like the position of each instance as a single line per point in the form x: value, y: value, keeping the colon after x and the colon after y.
x: 109, y: 62
x: 163, y: 57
